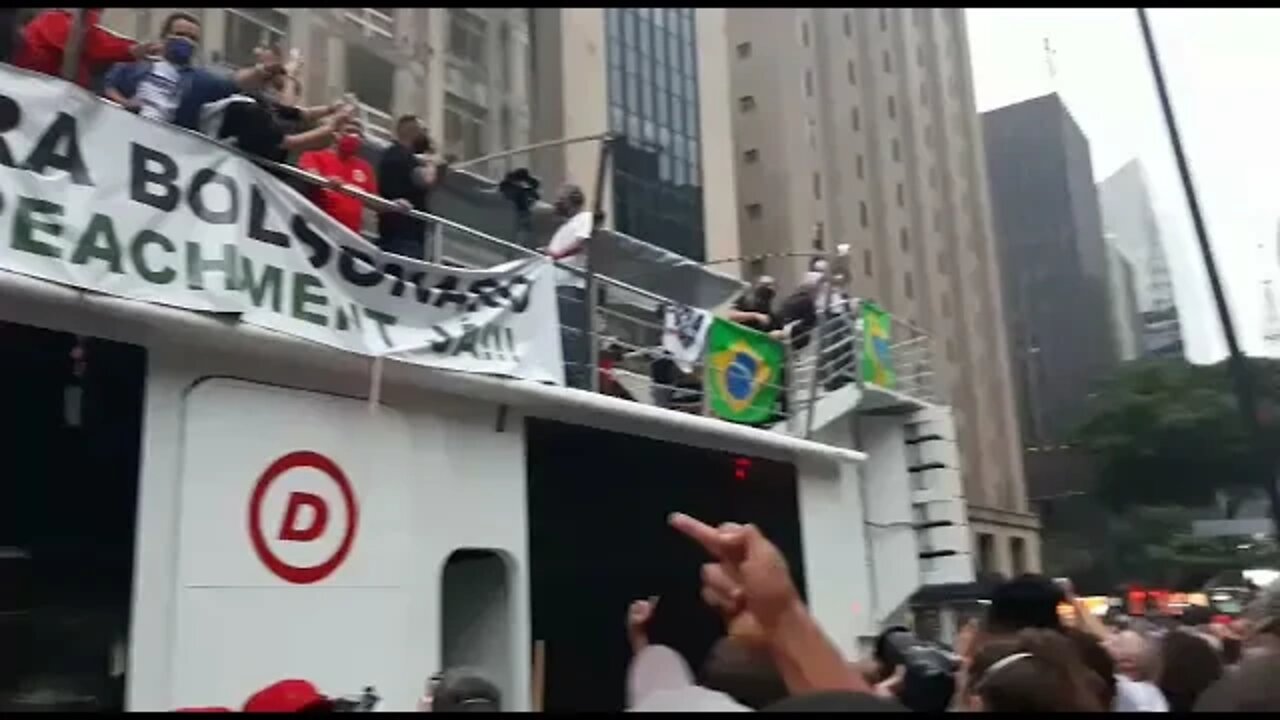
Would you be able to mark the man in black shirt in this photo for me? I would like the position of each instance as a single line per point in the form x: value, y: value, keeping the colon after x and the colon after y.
x: 260, y: 124
x: 799, y: 313
x: 754, y: 308
x: 405, y: 177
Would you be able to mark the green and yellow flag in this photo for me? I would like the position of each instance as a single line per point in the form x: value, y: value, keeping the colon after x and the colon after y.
x: 744, y: 370
x: 877, y: 366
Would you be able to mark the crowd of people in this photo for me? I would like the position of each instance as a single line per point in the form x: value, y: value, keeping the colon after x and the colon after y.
x: 1026, y: 655
x: 257, y: 109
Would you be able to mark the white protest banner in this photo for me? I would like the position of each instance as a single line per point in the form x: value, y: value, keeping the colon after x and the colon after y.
x: 95, y: 197
x: 684, y: 334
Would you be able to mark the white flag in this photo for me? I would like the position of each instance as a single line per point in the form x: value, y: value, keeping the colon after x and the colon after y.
x: 684, y: 334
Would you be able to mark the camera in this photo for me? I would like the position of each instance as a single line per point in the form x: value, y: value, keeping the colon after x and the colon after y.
x: 929, y: 682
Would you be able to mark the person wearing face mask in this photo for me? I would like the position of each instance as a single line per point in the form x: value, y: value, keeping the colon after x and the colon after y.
x: 342, y: 165
x: 407, y: 176
x: 44, y: 41
x: 172, y: 88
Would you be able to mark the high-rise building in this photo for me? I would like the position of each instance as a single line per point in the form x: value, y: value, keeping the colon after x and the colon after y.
x: 857, y: 126
x: 1131, y: 227
x: 655, y: 77
x: 1126, y: 320
x: 1055, y: 262
x: 1133, y: 231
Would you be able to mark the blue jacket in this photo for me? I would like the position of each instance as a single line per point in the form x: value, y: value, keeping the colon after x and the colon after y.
x: 198, y: 86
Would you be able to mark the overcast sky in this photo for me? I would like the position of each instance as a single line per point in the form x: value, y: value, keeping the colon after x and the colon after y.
x: 1221, y: 66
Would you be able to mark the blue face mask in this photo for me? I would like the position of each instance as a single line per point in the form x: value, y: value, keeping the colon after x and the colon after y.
x: 179, y: 50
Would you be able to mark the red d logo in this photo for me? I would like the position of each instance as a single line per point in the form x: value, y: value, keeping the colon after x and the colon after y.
x: 305, y: 520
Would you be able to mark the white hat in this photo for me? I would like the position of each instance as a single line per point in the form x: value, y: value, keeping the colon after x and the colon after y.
x: 659, y: 680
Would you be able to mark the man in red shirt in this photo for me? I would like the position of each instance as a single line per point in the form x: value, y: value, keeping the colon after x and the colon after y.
x: 342, y: 165
x: 44, y: 40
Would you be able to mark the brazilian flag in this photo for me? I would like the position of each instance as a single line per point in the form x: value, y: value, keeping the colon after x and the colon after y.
x: 877, y: 366
x: 744, y: 370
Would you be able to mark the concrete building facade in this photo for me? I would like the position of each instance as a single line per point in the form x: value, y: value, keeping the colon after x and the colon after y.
x: 464, y: 71
x: 1055, y: 263
x: 492, y: 79
x: 857, y: 126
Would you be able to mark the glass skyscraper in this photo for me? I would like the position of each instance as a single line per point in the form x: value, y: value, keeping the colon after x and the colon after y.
x: 653, y: 104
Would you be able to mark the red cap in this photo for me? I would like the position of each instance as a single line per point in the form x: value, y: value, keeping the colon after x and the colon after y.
x: 285, y: 696
x: 1220, y: 620
x: 212, y: 708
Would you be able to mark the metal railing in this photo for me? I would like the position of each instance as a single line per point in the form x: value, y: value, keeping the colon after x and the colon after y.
x: 624, y: 322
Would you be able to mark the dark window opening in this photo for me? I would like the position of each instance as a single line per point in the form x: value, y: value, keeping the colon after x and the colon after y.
x: 73, y: 426
x: 580, y: 630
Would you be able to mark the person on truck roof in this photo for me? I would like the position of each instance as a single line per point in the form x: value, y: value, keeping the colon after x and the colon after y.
x: 173, y: 88
x: 44, y: 42
x: 342, y: 165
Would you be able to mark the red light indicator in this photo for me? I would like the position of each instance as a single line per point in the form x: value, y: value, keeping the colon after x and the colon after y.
x: 740, y: 468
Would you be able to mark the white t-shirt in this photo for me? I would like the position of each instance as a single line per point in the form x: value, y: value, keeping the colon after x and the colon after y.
x: 575, y: 228
x: 1134, y: 696
x: 158, y: 91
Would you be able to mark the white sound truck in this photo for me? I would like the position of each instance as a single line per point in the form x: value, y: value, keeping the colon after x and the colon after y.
x: 243, y: 445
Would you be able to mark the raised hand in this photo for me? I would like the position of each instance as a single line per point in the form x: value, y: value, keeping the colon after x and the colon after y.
x: 750, y: 572
x: 641, y: 612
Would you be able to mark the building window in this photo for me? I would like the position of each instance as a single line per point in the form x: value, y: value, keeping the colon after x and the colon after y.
x: 504, y: 57
x: 371, y: 78
x: 808, y: 83
x: 507, y: 128
x: 933, y: 177
x: 945, y: 300
x: 907, y: 289
x: 986, y: 552
x: 904, y: 240
x: 857, y: 120
x: 884, y: 20
x: 924, y: 94
x: 942, y: 262
x: 746, y: 103
x: 755, y: 211
x: 744, y: 50
x: 858, y: 163
x: 862, y: 212
x: 937, y: 220
x: 893, y: 108
x: 866, y: 263
x: 380, y: 22
x: 467, y: 37
x: 1018, y: 555
x: 951, y: 350
x: 249, y: 29
x: 901, y: 196
x: 804, y: 33
x: 817, y: 186
x: 464, y: 127
x: 848, y: 24
x: 895, y: 150
x: 888, y: 62
x: 920, y: 55
x: 853, y: 74
x: 750, y: 156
